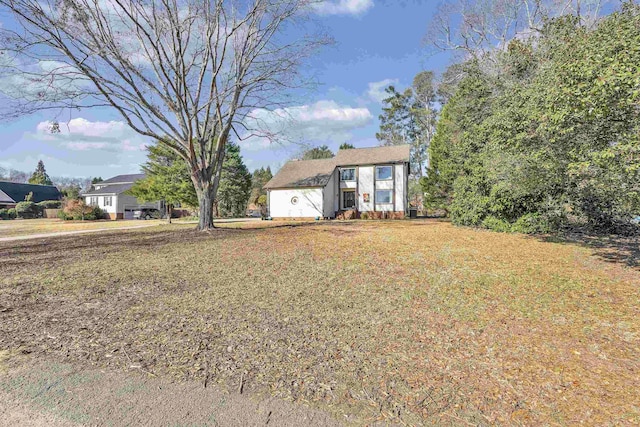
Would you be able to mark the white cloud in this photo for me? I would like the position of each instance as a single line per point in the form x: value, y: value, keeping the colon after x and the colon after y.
x: 322, y: 121
x: 376, y: 89
x: 83, y: 135
x: 343, y: 7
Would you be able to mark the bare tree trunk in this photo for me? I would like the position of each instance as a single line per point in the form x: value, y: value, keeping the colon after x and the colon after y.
x: 169, y: 209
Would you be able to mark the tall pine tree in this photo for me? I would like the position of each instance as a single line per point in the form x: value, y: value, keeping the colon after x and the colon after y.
x: 235, y: 184
x: 40, y: 176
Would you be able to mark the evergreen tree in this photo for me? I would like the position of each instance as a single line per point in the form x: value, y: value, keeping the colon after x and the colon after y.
x: 258, y: 180
x: 40, y: 176
x: 410, y: 118
x: 235, y: 184
x: 167, y: 178
x: 322, y: 152
x: 346, y: 146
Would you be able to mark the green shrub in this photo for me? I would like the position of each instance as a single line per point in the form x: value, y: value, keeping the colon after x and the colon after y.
x: 364, y: 215
x: 64, y: 216
x: 470, y: 206
x: 7, y: 213
x: 27, y: 210
x: 533, y: 223
x: 50, y: 204
x: 496, y: 224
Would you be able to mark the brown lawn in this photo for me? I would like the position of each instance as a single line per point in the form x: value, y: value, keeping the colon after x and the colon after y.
x: 413, y: 322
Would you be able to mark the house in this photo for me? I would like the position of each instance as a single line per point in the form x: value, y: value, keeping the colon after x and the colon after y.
x: 110, y: 196
x: 12, y: 193
x: 361, y: 179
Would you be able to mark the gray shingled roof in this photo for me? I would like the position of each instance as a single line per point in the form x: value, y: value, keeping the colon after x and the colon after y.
x: 18, y: 191
x: 316, y: 173
x: 303, y: 173
x: 109, y: 189
x: 373, y: 155
x: 119, y: 179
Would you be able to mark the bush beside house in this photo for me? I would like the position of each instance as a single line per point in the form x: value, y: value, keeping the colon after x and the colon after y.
x: 78, y: 210
x: 8, y: 213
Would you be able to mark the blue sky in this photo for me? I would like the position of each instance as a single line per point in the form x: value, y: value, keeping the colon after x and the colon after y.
x: 378, y: 42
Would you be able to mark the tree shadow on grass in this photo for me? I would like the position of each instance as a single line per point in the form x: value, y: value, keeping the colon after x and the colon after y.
x: 611, y: 248
x: 65, y: 249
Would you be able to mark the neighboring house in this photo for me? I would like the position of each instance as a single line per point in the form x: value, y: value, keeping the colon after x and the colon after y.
x: 109, y: 195
x: 361, y: 179
x: 12, y: 193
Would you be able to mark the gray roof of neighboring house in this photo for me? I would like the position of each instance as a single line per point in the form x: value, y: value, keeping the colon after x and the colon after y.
x: 121, y: 179
x: 316, y: 173
x: 109, y: 189
x: 18, y: 191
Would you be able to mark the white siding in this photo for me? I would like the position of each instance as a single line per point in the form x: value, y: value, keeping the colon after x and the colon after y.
x: 329, y: 197
x: 365, y: 186
x: 384, y: 184
x: 310, y: 203
x: 400, y: 188
x: 101, y: 205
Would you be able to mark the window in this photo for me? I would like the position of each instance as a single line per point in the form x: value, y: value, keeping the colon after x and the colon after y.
x: 383, y: 197
x: 383, y: 172
x: 348, y: 199
x: 348, y: 174
x: 108, y: 201
x: 93, y: 201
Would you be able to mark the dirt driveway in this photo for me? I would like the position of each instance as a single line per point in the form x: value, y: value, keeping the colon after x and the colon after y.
x: 61, y: 395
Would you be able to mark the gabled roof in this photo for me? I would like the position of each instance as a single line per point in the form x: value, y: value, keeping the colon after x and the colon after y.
x: 18, y: 191
x: 123, y: 179
x: 4, y: 198
x: 303, y: 173
x: 316, y: 173
x: 109, y: 189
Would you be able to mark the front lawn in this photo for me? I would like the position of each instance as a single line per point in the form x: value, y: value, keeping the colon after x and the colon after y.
x: 414, y: 322
x: 24, y: 227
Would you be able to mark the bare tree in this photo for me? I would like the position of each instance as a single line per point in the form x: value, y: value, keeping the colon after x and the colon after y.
x: 477, y: 27
x: 187, y: 73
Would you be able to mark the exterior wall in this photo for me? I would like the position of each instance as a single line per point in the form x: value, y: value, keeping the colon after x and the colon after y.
x: 108, y: 209
x: 400, y: 188
x: 365, y: 186
x: 328, y: 197
x: 120, y: 202
x: 386, y: 184
x: 310, y: 203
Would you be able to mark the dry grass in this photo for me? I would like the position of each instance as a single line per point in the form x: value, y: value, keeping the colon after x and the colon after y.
x: 23, y: 227
x: 416, y: 322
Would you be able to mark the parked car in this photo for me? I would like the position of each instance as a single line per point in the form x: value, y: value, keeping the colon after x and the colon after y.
x: 147, y: 214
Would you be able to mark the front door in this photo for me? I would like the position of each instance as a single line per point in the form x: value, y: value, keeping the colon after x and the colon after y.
x: 348, y: 200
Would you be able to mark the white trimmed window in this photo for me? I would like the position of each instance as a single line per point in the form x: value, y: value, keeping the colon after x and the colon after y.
x: 384, y: 197
x: 384, y: 173
x: 93, y: 201
x: 348, y: 174
x: 108, y: 201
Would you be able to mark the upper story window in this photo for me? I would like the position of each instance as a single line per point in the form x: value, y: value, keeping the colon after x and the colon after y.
x: 108, y: 201
x: 348, y: 174
x: 384, y: 172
